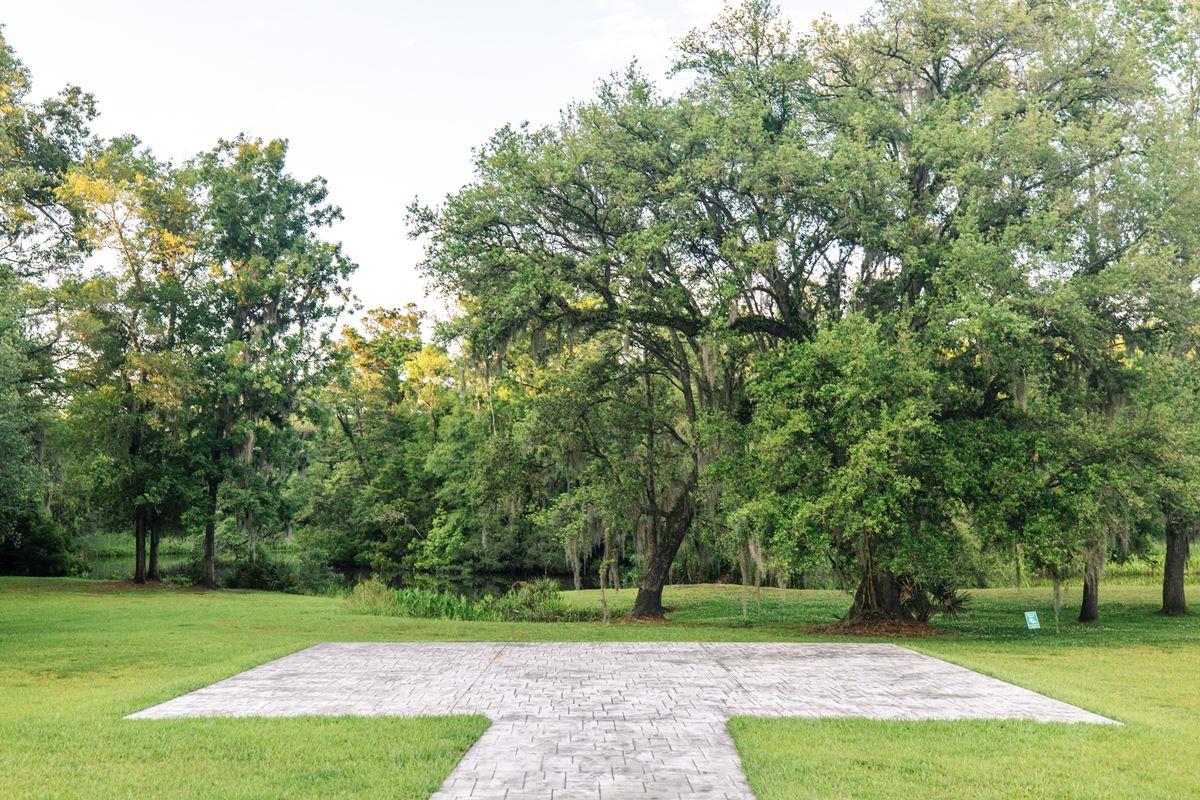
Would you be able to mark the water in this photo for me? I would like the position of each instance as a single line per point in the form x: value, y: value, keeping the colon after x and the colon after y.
x: 120, y: 568
x: 473, y: 587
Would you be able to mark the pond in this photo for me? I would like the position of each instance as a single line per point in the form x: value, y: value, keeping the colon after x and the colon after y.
x: 120, y: 568
x: 473, y: 587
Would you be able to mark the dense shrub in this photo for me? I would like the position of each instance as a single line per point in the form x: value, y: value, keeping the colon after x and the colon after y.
x: 527, y: 601
x: 371, y: 596
x: 530, y: 601
x: 313, y: 575
x: 436, y: 605
x: 32, y: 544
x: 308, y: 574
x: 264, y: 572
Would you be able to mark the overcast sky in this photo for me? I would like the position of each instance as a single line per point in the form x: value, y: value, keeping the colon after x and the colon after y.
x: 384, y: 99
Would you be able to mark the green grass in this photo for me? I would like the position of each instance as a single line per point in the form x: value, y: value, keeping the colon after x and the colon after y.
x: 76, y: 656
x: 1134, y: 666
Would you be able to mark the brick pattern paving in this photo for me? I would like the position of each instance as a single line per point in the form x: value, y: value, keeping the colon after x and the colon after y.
x: 606, y: 721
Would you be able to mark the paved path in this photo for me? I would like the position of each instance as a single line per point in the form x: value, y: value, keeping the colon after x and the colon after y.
x: 608, y: 721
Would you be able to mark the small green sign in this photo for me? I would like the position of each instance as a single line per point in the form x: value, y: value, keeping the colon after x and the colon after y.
x: 1031, y: 620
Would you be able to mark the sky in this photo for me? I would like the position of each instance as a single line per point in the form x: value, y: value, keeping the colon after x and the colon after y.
x: 384, y: 99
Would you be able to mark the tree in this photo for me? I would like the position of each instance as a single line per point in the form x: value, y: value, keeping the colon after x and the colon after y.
x: 848, y: 461
x: 596, y: 420
x: 128, y: 386
x: 38, y: 243
x: 372, y: 498
x: 275, y: 286
x: 1173, y: 488
x: 913, y: 167
x: 541, y: 247
x: 623, y: 221
x: 1170, y: 34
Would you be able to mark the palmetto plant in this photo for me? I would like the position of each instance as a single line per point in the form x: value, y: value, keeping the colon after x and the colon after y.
x: 923, y: 602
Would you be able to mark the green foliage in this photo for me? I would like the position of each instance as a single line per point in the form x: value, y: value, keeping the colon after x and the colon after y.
x: 532, y: 601
x: 39, y: 243
x: 527, y: 601
x: 274, y: 575
x: 34, y: 545
x: 847, y: 457
x: 428, y: 604
x: 924, y: 602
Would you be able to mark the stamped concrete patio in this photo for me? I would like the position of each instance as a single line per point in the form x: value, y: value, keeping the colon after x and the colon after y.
x: 612, y: 720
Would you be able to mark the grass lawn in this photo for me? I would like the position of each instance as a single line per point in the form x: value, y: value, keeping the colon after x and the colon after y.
x: 76, y: 656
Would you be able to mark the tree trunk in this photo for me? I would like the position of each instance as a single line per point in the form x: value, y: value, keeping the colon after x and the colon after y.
x: 247, y: 461
x: 47, y: 491
x: 661, y: 549
x: 1089, y: 609
x: 604, y: 565
x: 648, y: 602
x: 139, y: 511
x: 152, y: 572
x: 139, y: 553
x: 757, y: 583
x: 1174, y: 569
x: 250, y: 525
x: 576, y: 567
x: 209, y: 565
x: 1093, y: 565
x: 877, y: 599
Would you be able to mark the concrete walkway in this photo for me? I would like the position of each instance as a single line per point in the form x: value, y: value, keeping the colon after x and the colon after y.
x: 612, y: 720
